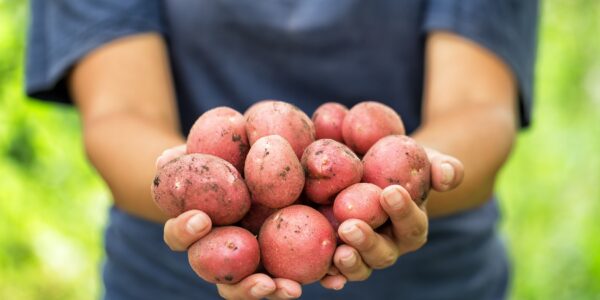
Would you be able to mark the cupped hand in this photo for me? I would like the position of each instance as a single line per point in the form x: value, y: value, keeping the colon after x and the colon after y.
x: 366, y: 249
x: 184, y: 230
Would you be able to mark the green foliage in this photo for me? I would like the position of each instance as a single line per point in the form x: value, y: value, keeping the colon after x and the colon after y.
x: 53, y: 205
x: 551, y: 186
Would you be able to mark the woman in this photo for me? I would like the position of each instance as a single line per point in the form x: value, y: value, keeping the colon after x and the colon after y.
x: 140, y: 72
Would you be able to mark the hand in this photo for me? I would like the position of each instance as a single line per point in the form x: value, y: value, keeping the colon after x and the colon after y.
x: 190, y: 226
x: 366, y: 249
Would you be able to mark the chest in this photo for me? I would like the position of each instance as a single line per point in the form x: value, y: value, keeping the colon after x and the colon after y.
x: 306, y: 24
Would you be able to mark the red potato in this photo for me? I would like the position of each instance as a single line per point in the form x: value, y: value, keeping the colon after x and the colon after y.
x: 273, y: 173
x: 258, y: 213
x: 270, y: 117
x: 360, y: 201
x: 225, y: 255
x: 256, y: 216
x: 204, y: 182
x: 328, y: 119
x: 367, y: 122
x: 398, y: 159
x: 297, y: 243
x: 330, y: 167
x: 250, y: 110
x: 221, y: 132
x: 327, y: 211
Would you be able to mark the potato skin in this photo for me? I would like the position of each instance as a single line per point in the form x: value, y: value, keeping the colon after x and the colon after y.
x: 256, y: 216
x: 220, y: 132
x: 258, y: 213
x: 251, y: 108
x: 204, y: 182
x: 271, y: 117
x: 360, y: 201
x: 273, y: 173
x: 398, y: 159
x: 327, y: 211
x: 330, y: 167
x: 297, y: 243
x: 225, y: 255
x: 367, y: 122
x: 328, y: 119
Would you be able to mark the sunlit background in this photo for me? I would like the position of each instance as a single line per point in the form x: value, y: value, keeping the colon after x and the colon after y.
x: 53, y: 205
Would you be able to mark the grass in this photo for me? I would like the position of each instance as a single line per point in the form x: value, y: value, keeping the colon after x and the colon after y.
x: 53, y: 204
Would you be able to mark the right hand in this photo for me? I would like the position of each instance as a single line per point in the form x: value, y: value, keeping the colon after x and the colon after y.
x: 182, y: 231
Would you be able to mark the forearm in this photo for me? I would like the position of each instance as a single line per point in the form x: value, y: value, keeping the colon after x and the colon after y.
x: 481, y: 137
x: 123, y: 148
x: 124, y: 93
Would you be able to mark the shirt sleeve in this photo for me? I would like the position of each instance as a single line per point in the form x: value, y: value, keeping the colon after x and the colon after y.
x: 508, y: 28
x: 61, y: 32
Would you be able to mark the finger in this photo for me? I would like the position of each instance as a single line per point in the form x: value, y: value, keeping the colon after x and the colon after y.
x: 333, y: 282
x: 170, y: 154
x: 187, y: 228
x: 348, y: 261
x: 377, y: 251
x: 447, y: 172
x: 286, y: 289
x: 255, y: 286
x: 333, y: 270
x: 409, y: 222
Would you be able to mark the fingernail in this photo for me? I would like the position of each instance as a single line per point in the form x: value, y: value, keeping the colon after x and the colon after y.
x: 393, y: 198
x: 353, y: 234
x: 447, y: 173
x: 158, y: 163
x: 167, y: 152
x: 259, y: 290
x: 196, y: 224
x: 348, y: 260
x: 339, y: 287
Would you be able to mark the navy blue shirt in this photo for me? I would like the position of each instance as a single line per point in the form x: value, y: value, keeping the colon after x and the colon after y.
x: 236, y: 52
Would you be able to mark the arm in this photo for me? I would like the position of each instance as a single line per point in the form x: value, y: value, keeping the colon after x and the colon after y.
x: 469, y: 113
x: 125, y: 96
x: 365, y: 249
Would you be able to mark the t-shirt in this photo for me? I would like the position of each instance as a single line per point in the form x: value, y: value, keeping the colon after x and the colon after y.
x: 237, y: 52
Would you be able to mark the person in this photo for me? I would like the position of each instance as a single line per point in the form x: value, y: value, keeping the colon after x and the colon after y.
x: 140, y: 72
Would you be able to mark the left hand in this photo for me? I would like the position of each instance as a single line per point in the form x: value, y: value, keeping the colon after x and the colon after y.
x: 179, y: 234
x: 366, y: 249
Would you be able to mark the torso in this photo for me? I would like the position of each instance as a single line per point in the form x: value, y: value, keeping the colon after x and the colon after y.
x: 236, y: 52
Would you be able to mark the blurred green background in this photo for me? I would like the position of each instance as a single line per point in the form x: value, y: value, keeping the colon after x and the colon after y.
x: 53, y: 205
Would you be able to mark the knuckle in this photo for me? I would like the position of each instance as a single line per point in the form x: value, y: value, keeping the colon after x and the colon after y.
x: 415, y: 244
x: 418, y: 231
x: 173, y: 240
x: 171, y: 246
x: 168, y: 241
x: 385, y: 261
x: 420, y: 243
x: 176, y: 246
x: 361, y: 276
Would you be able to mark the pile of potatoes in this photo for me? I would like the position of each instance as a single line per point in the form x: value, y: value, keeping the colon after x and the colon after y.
x: 276, y: 184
